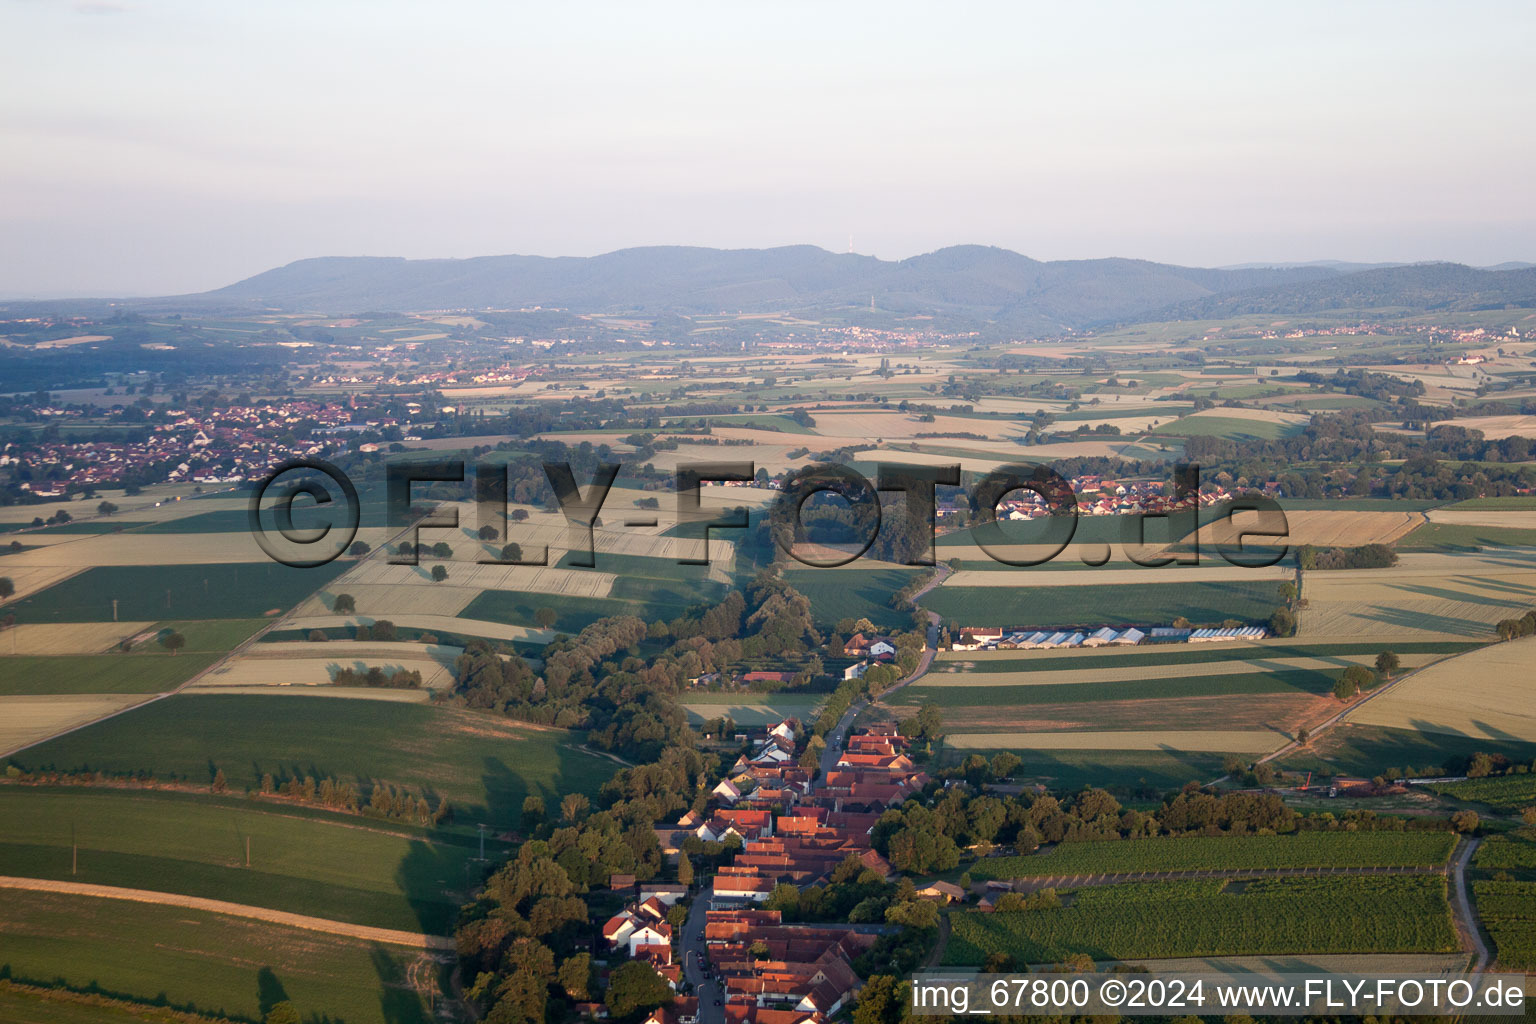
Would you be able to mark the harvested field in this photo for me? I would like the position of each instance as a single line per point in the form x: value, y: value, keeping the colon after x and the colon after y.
x: 1497, y: 427
x: 1320, y: 527
x: 31, y: 579
x: 1214, y: 741
x: 1508, y: 518
x: 422, y: 696
x: 68, y: 637
x: 1425, y: 595
x: 471, y: 576
x: 435, y: 601
x: 282, y: 670
x: 82, y: 550
x: 26, y: 720
x: 1484, y: 693
x: 437, y: 623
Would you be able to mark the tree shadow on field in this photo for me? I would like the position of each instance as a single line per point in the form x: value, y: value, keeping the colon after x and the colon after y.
x: 269, y: 990
x: 399, y: 1001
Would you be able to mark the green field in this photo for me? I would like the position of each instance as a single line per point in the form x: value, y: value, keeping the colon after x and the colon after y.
x: 856, y: 593
x: 1088, y: 530
x: 321, y: 865
x: 1228, y: 853
x: 232, y: 590
x: 956, y: 695
x: 1457, y: 536
x: 1514, y: 503
x: 1508, y: 911
x: 1141, y: 604
x: 482, y: 763
x: 99, y: 673
x: 1507, y: 793
x: 196, y: 960
x: 20, y: 1005
x: 1231, y: 427
x: 148, y: 668
x: 1513, y: 851
x: 652, y: 588
x: 1215, y: 918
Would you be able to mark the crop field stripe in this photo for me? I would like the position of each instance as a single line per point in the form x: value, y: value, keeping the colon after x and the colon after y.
x: 1182, y: 654
x: 1397, y: 914
x: 959, y: 695
x: 1224, y: 853
x: 99, y: 673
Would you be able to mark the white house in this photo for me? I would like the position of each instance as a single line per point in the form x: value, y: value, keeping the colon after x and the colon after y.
x: 659, y: 934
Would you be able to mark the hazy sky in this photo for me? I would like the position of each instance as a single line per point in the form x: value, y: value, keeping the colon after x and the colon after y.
x: 160, y: 146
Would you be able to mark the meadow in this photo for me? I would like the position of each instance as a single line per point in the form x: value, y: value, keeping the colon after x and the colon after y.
x: 1216, y: 918
x: 335, y: 866
x: 1131, y: 605
x: 485, y: 765
x: 201, y: 961
x: 1228, y: 853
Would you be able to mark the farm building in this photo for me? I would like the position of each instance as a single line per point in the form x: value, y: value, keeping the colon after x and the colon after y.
x: 1201, y: 636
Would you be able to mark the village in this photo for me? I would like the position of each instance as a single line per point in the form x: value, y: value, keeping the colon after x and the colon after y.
x: 735, y: 960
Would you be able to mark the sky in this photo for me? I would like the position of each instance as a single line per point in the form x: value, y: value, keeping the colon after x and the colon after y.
x: 167, y: 146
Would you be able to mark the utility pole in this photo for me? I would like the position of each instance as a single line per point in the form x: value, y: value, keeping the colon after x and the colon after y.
x: 247, y: 850
x: 74, y: 851
x: 114, y: 609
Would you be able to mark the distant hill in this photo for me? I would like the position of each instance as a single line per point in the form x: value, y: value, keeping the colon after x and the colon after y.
x: 976, y: 282
x: 1420, y: 286
x: 985, y: 288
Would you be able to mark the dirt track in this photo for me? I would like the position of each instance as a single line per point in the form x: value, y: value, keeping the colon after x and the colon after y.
x: 386, y: 936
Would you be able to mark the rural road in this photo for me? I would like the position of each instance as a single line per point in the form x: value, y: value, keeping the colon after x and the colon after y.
x: 387, y: 936
x: 1341, y: 714
x: 839, y: 732
x: 1466, y: 918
